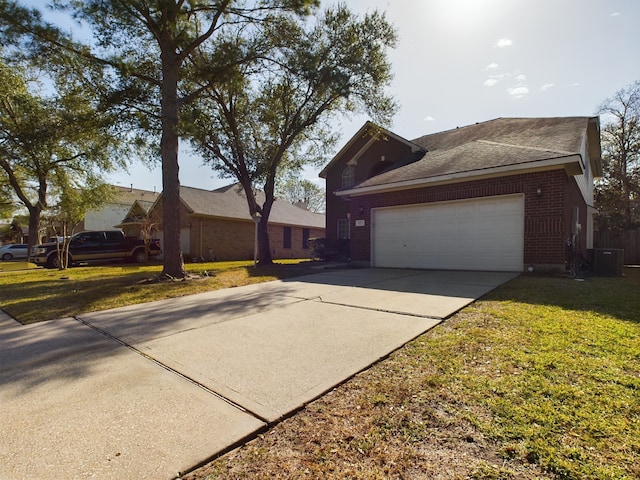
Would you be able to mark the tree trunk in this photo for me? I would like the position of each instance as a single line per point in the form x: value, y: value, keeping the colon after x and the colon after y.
x: 264, y: 248
x: 34, y: 230
x: 173, y: 262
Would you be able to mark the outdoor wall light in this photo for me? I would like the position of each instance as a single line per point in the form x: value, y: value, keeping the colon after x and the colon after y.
x: 360, y: 209
x: 539, y: 191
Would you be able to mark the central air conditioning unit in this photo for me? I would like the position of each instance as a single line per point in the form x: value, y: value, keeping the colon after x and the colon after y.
x: 608, y: 261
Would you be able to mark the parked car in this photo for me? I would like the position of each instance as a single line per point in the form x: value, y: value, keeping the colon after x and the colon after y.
x: 96, y: 246
x: 14, y: 250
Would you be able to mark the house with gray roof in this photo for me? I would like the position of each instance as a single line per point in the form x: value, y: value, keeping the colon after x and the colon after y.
x: 216, y: 225
x: 509, y: 194
x: 117, y: 208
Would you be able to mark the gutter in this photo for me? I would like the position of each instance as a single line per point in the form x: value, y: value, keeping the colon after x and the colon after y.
x: 571, y: 163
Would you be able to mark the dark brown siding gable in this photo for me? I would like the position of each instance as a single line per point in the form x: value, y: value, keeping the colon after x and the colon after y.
x: 386, y: 151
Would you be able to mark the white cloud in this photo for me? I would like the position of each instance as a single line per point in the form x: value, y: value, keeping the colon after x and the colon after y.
x: 521, y: 77
x: 547, y: 86
x: 615, y: 14
x: 490, y: 82
x: 576, y: 84
x: 504, y: 42
x: 518, y: 91
x: 429, y: 119
x: 491, y: 66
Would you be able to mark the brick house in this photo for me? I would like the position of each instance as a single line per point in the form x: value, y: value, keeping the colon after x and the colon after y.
x: 506, y: 194
x: 117, y: 208
x: 216, y: 224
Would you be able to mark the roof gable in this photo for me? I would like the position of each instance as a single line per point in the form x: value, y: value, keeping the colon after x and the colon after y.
x: 368, y: 134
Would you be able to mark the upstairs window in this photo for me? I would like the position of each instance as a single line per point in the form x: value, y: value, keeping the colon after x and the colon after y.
x: 348, y: 176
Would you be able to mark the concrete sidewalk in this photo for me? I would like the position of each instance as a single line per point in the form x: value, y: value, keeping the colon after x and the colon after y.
x: 152, y: 390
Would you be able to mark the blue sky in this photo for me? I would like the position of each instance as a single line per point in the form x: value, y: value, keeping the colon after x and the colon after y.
x: 464, y: 61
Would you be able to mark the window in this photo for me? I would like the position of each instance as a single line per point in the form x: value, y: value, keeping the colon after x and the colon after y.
x: 305, y: 238
x: 287, y: 237
x: 348, y: 176
x: 343, y: 228
x: 114, y: 237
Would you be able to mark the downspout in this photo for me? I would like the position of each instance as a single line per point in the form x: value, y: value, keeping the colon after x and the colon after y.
x: 201, y: 257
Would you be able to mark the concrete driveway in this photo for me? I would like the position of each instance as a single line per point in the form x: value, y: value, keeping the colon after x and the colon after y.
x: 152, y: 390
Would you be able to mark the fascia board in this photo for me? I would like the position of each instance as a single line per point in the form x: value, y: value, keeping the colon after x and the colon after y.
x: 572, y: 164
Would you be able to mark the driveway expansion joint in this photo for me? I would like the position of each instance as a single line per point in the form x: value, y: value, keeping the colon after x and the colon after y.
x: 173, y: 371
x: 394, y: 312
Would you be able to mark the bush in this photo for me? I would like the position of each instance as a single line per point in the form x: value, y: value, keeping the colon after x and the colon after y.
x: 323, y: 249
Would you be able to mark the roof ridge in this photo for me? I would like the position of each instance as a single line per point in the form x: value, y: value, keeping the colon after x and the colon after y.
x: 471, y: 125
x: 200, y: 189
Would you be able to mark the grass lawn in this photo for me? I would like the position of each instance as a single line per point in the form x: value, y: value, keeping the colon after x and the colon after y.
x: 13, y: 266
x: 37, y: 295
x: 538, y: 380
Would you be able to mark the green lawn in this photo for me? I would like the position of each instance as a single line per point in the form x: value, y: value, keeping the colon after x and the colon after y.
x: 40, y: 294
x: 540, y: 379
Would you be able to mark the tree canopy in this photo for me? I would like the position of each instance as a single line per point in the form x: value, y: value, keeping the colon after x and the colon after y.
x: 618, y: 193
x: 51, y: 142
x: 301, y: 192
x: 272, y: 115
x: 7, y: 205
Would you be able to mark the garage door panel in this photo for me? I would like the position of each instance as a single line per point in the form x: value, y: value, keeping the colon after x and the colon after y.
x: 480, y: 234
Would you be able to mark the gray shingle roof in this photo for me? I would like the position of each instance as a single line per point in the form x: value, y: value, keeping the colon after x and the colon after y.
x: 230, y: 202
x: 502, y: 142
x: 556, y: 133
x: 127, y: 195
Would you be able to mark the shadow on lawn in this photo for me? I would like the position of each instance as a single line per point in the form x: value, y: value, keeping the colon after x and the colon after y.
x: 64, y: 350
x: 618, y: 297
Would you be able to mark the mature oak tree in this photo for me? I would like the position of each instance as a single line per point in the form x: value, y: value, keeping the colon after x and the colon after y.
x: 618, y: 193
x: 50, y: 143
x: 273, y: 115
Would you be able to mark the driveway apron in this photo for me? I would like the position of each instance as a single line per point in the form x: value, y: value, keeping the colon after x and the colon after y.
x: 152, y: 390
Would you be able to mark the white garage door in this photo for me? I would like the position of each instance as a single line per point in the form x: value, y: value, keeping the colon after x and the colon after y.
x: 479, y: 234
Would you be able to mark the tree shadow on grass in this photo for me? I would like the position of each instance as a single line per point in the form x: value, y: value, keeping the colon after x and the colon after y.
x: 618, y: 297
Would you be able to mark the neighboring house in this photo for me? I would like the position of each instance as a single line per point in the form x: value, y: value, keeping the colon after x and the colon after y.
x: 507, y: 194
x: 112, y: 213
x: 137, y: 219
x: 217, y: 225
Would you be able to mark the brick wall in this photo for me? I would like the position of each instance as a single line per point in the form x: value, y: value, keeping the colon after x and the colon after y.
x: 276, y: 242
x: 547, y: 215
x: 234, y: 240
x: 228, y: 240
